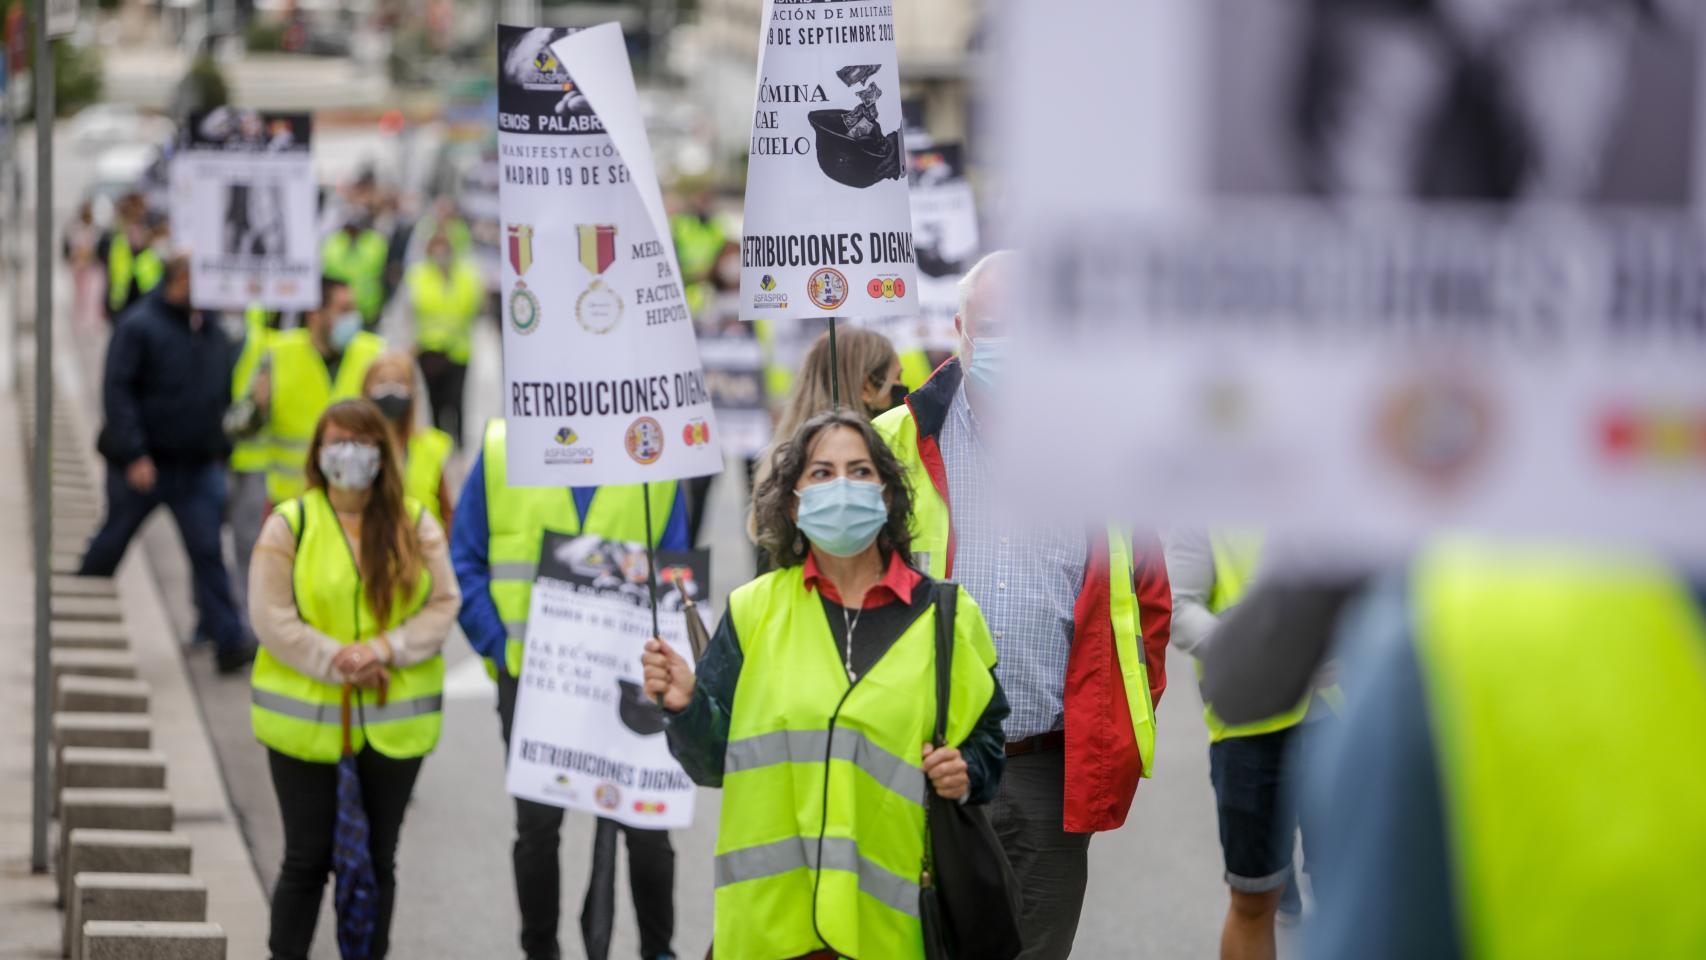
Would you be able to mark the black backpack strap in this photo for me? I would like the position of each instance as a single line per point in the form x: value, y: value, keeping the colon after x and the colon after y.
x: 947, y: 600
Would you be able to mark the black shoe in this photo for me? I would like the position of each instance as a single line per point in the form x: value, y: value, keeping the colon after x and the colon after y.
x: 230, y: 660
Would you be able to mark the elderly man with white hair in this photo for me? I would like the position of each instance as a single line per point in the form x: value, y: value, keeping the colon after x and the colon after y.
x: 1079, y: 619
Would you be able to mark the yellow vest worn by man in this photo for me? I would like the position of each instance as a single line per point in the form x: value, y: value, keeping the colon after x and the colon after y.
x: 821, y: 837
x: 445, y: 307
x: 300, y: 716
x: 124, y: 265
x: 251, y: 454
x: 302, y: 389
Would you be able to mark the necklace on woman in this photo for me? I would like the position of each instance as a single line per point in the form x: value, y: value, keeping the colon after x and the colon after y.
x: 851, y: 621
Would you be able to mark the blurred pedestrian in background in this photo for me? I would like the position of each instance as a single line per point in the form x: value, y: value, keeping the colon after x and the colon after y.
x: 424, y: 451
x: 305, y: 371
x: 446, y: 295
x: 699, y: 237
x: 165, y: 390
x: 358, y: 254
x: 815, y: 704
x: 133, y: 265
x: 1505, y: 781
x: 350, y: 587
x: 1079, y: 619
x: 81, y: 244
x: 1253, y: 766
x: 495, y: 544
x: 251, y: 450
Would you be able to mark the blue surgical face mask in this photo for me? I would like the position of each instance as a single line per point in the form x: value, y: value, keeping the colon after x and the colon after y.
x: 988, y: 361
x: 344, y: 329
x: 842, y: 517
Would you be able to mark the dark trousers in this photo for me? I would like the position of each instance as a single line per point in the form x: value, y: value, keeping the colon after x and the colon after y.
x: 538, y: 877
x: 308, y: 804
x: 444, y: 381
x: 1052, y: 865
x: 196, y: 496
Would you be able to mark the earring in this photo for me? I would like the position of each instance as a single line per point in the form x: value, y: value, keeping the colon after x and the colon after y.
x: 799, y: 543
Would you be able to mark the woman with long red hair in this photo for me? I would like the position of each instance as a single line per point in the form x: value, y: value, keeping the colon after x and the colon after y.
x: 351, y: 595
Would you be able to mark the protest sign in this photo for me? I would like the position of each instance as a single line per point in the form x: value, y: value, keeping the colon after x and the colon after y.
x: 1336, y: 309
x: 734, y: 373
x: 586, y: 736
x: 602, y: 377
x: 244, y: 199
x: 945, y: 239
x: 828, y: 226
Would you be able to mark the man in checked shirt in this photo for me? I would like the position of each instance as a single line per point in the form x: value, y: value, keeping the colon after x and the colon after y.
x: 1079, y: 619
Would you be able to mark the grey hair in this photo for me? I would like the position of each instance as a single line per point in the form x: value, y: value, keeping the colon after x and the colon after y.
x: 968, y: 283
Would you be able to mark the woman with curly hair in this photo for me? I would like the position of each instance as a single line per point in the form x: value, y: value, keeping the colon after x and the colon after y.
x: 814, y: 708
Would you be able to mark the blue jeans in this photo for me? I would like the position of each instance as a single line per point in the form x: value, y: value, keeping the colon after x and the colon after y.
x: 196, y: 496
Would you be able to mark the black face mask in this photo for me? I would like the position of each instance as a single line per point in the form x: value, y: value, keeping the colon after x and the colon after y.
x: 897, y: 395
x: 395, y: 406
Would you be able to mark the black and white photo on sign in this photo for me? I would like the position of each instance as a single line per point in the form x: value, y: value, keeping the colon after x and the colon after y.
x: 245, y: 201
x: 851, y: 146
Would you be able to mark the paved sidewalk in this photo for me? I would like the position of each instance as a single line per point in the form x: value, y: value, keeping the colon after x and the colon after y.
x: 29, y: 923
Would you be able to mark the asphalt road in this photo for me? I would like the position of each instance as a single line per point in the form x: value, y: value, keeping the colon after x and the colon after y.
x: 1154, y: 890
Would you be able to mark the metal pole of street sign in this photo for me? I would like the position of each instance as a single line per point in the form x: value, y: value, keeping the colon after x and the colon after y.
x: 43, y: 84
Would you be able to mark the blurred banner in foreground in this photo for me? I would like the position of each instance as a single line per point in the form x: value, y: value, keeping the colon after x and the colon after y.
x: 602, y: 376
x: 1376, y: 276
x: 244, y: 200
x: 828, y: 225
x: 586, y: 735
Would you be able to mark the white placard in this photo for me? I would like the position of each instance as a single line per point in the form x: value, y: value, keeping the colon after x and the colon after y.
x: 602, y: 377
x: 1446, y: 340
x: 585, y: 736
x: 62, y: 17
x: 244, y: 198
x: 945, y: 239
x: 828, y: 225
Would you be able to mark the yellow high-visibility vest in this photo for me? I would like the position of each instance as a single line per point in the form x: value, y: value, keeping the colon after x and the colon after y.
x: 445, y: 307
x: 1565, y: 693
x: 302, y: 389
x: 821, y: 837
x: 300, y: 716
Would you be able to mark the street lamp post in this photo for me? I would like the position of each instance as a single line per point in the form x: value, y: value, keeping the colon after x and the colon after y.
x: 42, y: 82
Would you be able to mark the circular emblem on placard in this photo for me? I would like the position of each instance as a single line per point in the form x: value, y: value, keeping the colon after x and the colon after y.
x: 523, y: 310
x: 644, y: 440
x: 599, y: 308
x: 827, y: 288
x: 608, y: 796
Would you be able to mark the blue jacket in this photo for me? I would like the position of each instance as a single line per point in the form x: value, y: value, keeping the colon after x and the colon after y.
x: 470, y: 536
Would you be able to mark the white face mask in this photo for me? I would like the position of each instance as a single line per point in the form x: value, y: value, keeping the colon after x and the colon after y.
x: 350, y: 465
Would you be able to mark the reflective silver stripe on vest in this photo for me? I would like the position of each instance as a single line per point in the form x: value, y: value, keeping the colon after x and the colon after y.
x: 292, y: 443
x: 517, y: 630
x: 808, y: 746
x: 515, y: 570
x: 839, y: 853
x: 332, y: 713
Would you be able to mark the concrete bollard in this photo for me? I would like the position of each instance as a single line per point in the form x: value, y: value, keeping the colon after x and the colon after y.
x: 89, y: 634
x: 84, y: 586
x: 149, y: 897
x: 87, y: 608
x: 118, y: 664
x: 120, y: 731
x: 104, y: 809
x: 101, y: 695
x: 120, y: 851
x: 134, y: 940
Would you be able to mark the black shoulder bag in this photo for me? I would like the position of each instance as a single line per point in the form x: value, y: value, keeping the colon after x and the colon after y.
x: 968, y: 897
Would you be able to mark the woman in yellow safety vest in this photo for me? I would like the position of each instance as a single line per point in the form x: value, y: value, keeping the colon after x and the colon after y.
x: 390, y: 384
x: 351, y: 594
x: 814, y: 706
